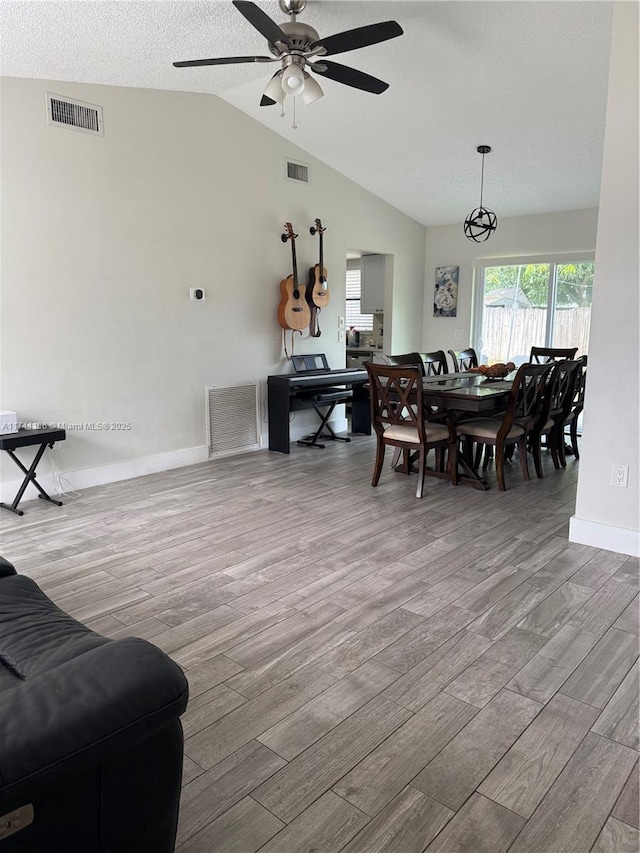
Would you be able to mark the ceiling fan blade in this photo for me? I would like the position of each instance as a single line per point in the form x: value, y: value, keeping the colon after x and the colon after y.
x: 225, y: 60
x: 360, y: 37
x: 266, y: 101
x: 350, y: 77
x: 261, y: 21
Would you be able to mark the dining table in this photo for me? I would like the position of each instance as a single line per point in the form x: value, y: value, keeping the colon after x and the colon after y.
x: 457, y: 396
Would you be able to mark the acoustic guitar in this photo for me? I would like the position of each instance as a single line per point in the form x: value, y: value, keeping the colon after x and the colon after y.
x: 293, y: 311
x: 318, y: 290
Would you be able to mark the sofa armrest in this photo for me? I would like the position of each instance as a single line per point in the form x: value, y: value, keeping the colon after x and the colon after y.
x: 84, y: 711
x: 6, y: 568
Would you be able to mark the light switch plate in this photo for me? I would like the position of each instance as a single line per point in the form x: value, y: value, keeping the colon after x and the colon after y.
x: 341, y: 323
x: 341, y: 336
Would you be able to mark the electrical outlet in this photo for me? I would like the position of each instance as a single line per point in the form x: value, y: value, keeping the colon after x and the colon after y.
x: 620, y: 476
x: 341, y: 336
x: 458, y: 334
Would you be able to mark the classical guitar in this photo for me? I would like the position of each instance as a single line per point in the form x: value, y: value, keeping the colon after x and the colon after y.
x: 293, y: 311
x: 318, y: 289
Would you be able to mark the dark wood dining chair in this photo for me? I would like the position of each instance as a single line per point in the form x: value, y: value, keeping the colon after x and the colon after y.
x: 435, y: 363
x: 543, y: 355
x: 404, y: 359
x: 463, y: 359
x: 407, y: 358
x: 557, y: 399
x: 522, y: 412
x: 571, y: 420
x: 398, y: 418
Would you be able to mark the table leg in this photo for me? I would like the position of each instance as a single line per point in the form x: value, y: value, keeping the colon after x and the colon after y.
x: 470, y: 477
x: 30, y: 477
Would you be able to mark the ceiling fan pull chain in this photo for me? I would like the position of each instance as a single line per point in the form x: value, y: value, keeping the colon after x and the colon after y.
x: 294, y: 126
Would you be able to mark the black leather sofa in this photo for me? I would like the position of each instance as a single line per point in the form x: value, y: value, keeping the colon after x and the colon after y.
x: 90, y: 736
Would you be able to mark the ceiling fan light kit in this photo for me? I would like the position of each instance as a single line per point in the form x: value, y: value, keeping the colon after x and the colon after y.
x: 481, y: 222
x: 293, y: 79
x: 274, y: 93
x: 299, y: 49
x: 312, y: 91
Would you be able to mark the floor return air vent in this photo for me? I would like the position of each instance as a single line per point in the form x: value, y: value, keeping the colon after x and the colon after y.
x: 233, y: 419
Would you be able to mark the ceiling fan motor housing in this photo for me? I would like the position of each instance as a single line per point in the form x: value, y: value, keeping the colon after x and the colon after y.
x: 300, y: 36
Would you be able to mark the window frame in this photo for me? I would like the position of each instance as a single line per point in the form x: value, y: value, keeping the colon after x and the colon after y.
x: 554, y: 261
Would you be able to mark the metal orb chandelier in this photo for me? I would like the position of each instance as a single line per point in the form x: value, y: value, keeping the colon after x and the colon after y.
x: 481, y: 222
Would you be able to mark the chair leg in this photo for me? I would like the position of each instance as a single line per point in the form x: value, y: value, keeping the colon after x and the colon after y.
x: 534, y: 440
x: 552, y: 443
x: 573, y: 432
x: 499, y: 457
x: 422, y: 461
x: 453, y: 462
x: 467, y: 451
x: 377, y: 470
x: 488, y: 456
x: 558, y: 440
x: 478, y: 456
x: 439, y: 452
x: 524, y: 462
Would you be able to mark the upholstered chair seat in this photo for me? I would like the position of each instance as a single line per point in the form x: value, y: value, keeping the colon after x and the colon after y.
x: 488, y: 428
x: 434, y: 432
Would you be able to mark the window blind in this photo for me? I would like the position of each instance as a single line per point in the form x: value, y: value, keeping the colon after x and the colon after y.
x: 354, y: 317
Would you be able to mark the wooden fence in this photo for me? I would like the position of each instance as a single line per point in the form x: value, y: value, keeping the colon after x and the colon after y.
x: 509, y: 334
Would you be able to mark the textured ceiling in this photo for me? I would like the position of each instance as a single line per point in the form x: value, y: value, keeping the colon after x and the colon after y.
x: 528, y: 77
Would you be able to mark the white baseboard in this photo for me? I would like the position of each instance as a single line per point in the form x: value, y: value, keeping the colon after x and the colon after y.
x: 606, y: 536
x: 84, y: 478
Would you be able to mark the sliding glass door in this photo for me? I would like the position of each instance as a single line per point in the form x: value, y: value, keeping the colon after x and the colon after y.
x: 520, y: 305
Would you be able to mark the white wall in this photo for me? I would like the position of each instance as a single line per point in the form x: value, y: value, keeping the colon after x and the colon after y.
x: 605, y: 516
x: 102, y: 237
x: 574, y: 231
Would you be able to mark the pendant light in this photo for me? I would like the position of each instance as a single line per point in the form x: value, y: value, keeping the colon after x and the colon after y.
x: 481, y: 222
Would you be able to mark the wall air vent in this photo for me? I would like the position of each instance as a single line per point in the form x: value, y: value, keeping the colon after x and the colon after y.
x: 74, y: 115
x: 233, y: 424
x: 298, y: 172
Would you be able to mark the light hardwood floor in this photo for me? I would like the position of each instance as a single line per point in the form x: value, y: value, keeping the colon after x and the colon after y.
x: 368, y: 672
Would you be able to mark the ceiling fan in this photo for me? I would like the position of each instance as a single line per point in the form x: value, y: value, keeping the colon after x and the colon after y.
x: 299, y: 49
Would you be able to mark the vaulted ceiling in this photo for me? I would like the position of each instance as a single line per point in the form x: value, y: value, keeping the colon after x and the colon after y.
x: 528, y: 77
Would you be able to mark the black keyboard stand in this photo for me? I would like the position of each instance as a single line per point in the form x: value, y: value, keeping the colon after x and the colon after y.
x: 29, y: 438
x: 329, y: 400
